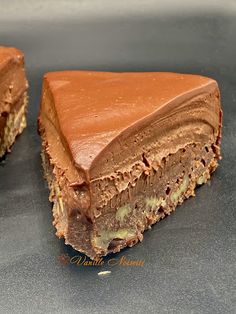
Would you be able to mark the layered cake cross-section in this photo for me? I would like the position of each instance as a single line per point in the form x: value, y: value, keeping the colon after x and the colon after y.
x: 121, y: 150
x: 13, y: 96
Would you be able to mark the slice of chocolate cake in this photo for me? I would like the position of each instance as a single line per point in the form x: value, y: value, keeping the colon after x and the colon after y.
x: 13, y: 97
x: 121, y: 150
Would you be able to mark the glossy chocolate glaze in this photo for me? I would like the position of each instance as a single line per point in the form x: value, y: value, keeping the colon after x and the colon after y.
x: 95, y: 111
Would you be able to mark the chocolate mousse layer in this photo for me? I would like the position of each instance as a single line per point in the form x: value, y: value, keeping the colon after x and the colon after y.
x: 121, y: 150
x: 13, y: 96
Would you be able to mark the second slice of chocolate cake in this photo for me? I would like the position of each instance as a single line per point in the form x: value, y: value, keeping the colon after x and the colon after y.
x: 121, y: 150
x: 13, y: 96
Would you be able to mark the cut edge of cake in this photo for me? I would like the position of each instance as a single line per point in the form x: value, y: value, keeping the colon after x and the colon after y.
x: 13, y: 97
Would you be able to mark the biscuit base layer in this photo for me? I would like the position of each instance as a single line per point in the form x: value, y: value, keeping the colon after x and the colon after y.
x: 13, y: 123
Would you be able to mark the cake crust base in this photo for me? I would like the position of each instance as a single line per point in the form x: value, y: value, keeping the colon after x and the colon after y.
x: 12, y: 124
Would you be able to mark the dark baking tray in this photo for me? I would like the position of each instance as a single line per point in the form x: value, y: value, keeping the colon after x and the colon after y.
x: 189, y: 258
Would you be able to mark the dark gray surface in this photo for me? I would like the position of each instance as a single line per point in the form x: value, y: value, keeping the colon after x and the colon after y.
x: 190, y: 256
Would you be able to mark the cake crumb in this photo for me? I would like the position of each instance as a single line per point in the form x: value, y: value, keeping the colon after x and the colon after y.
x: 104, y: 273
